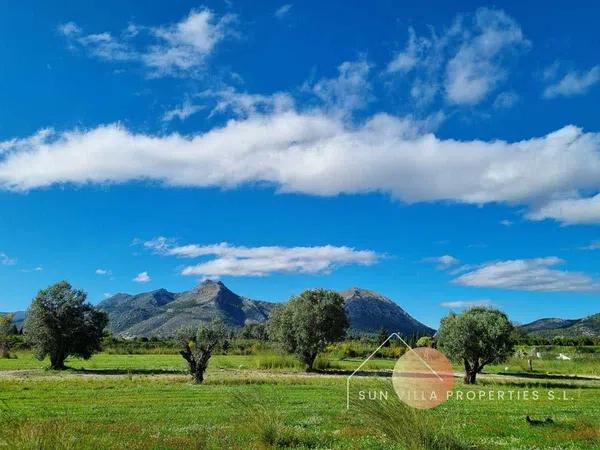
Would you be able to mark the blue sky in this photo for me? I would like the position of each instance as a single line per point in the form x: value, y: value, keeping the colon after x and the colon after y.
x: 444, y: 154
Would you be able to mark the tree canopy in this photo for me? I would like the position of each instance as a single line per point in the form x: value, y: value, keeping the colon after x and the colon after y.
x: 308, y: 323
x: 60, y: 323
x: 477, y: 337
x: 7, y: 334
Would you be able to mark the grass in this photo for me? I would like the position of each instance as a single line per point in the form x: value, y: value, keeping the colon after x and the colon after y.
x: 266, y: 401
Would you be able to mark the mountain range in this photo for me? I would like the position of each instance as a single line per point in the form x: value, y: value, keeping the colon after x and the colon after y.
x: 554, y: 327
x: 162, y: 313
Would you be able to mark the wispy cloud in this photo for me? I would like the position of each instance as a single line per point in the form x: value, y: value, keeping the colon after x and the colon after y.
x: 573, y: 83
x: 506, y: 222
x: 35, y: 269
x: 460, y: 304
x: 6, y: 260
x: 283, y: 11
x: 172, y: 49
x: 443, y: 262
x: 142, y: 277
x: 233, y: 260
x: 181, y: 112
x: 464, y: 63
x: 594, y: 245
x: 506, y: 100
x: 103, y: 272
x: 535, y: 274
x: 347, y: 92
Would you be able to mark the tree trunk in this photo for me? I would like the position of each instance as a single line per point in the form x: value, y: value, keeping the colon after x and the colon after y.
x: 57, y: 361
x: 309, y: 362
x: 470, y: 373
x: 198, y: 375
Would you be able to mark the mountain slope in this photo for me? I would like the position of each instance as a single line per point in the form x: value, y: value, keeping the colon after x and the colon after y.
x: 588, y: 326
x: 369, y: 311
x: 162, y: 313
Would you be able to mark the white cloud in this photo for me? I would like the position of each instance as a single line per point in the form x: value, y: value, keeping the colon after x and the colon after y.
x: 477, y: 69
x: 443, y: 262
x: 69, y: 28
x: 594, y: 245
x: 506, y: 222
x: 570, y: 211
x: 182, y: 112
x: 535, y: 274
x: 283, y: 11
x: 173, y: 49
x: 460, y: 304
x: 261, y: 261
x: 317, y: 153
x: 242, y: 104
x: 572, y: 83
x: 103, y: 272
x: 107, y: 294
x: 506, y: 100
x: 35, y: 269
x: 349, y: 91
x: 6, y: 260
x: 465, y: 63
x: 142, y: 277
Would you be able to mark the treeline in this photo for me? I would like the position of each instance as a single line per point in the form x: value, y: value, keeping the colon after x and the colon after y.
x: 579, y: 341
x: 253, y: 340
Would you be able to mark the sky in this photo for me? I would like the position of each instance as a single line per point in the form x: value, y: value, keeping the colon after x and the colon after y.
x: 444, y: 154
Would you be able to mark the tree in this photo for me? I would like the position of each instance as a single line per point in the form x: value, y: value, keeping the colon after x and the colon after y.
x: 425, y: 341
x: 7, y: 335
x: 256, y: 331
x: 382, y: 335
x: 477, y: 337
x: 60, y: 324
x: 197, y: 347
x: 308, y: 323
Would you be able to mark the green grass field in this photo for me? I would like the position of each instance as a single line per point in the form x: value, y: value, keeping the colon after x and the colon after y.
x: 266, y: 401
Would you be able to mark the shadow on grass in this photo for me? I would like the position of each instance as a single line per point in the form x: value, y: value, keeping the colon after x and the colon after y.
x: 361, y: 373
x: 545, y: 376
x: 532, y: 384
x: 117, y: 371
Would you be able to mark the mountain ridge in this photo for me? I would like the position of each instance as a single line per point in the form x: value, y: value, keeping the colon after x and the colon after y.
x: 162, y: 313
x: 556, y: 327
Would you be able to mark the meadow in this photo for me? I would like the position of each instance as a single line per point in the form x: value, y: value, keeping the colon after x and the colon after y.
x: 265, y: 400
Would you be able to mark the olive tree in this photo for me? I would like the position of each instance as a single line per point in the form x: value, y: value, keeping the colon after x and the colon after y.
x: 308, y: 323
x: 197, y: 346
x: 477, y: 337
x: 60, y: 323
x: 425, y: 341
x: 7, y: 335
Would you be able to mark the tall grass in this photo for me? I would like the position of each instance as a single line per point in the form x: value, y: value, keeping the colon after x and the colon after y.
x: 277, y: 361
x: 408, y: 428
x: 266, y: 423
